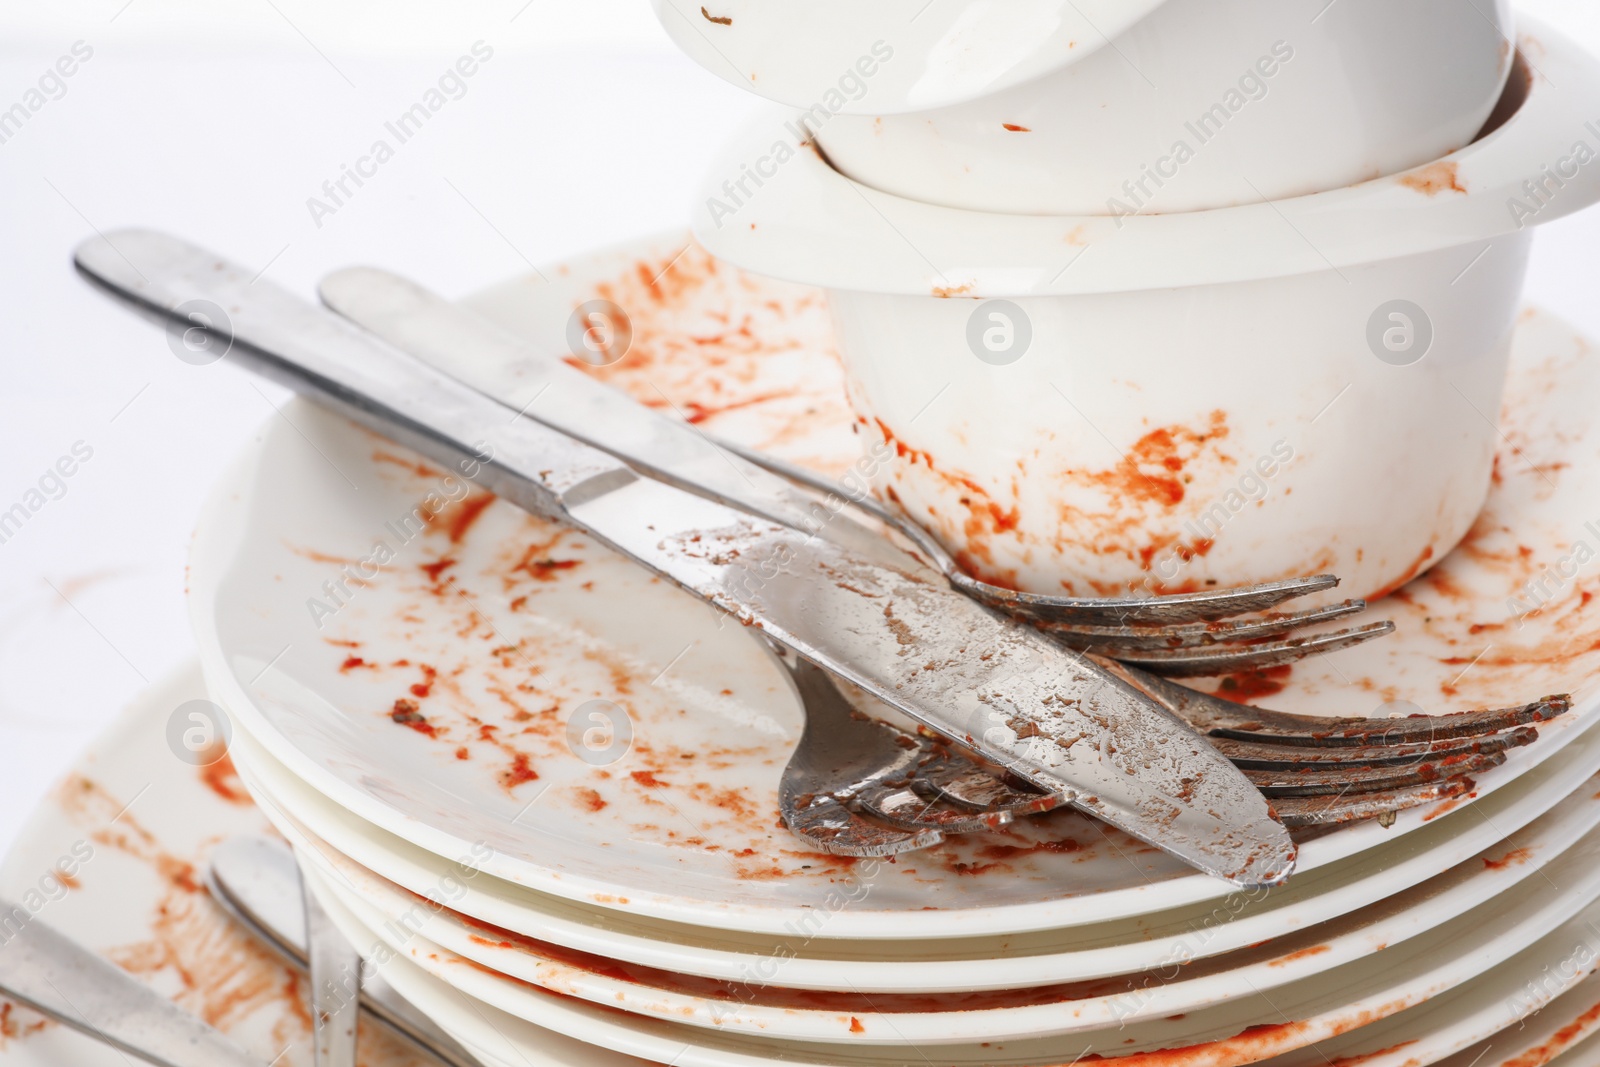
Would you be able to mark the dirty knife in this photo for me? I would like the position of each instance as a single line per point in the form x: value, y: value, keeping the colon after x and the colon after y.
x: 873, y: 616
x: 59, y: 978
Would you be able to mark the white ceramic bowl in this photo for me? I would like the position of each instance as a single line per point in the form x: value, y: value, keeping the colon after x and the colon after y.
x: 1171, y: 439
x: 1202, y: 104
x: 1214, y: 397
x: 889, y: 56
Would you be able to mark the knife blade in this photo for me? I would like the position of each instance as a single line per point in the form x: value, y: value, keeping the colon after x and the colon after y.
x: 49, y: 972
x: 474, y: 351
x: 257, y: 882
x: 991, y: 685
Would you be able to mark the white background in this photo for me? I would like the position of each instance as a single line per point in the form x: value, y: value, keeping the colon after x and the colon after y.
x: 217, y: 119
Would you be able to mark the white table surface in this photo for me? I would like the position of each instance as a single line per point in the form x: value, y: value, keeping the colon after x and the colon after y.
x: 217, y: 119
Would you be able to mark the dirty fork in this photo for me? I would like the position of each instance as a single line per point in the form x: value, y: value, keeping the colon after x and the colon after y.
x: 1180, y: 634
x: 860, y: 786
x: 856, y: 786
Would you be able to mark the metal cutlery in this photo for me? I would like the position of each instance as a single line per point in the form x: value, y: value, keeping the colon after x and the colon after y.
x: 1177, y: 634
x: 1318, y: 772
x: 257, y: 882
x: 335, y: 969
x: 856, y: 786
x: 47, y: 971
x: 872, y: 615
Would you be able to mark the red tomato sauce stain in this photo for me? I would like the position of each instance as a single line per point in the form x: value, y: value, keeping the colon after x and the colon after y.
x: 1409, y: 573
x: 1147, y: 484
x: 436, y: 568
x: 1515, y: 858
x: 458, y: 521
x: 1065, y: 846
x: 1436, y: 178
x: 222, y: 778
x: 1353, y: 1061
x: 13, y: 1026
x: 1559, y: 1040
x: 405, y: 713
x: 1448, y: 806
x: 1152, y: 469
x: 520, y: 771
x: 1300, y: 954
x: 423, y: 688
x: 411, y: 466
x: 1246, y: 686
x: 650, y: 981
x: 697, y: 412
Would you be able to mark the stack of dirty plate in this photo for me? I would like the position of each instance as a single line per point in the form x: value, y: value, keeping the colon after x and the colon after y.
x: 537, y: 787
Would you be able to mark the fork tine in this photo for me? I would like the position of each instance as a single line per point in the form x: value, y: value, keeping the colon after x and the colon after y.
x: 1288, y: 729
x: 1299, y: 812
x: 1258, y: 755
x: 1225, y: 719
x: 1288, y: 771
x: 1228, y: 659
x: 1172, y: 609
x: 1111, y: 639
x: 830, y: 827
x: 962, y: 783
x: 1167, y: 610
x: 1222, y: 718
x: 1342, y: 781
x: 902, y: 809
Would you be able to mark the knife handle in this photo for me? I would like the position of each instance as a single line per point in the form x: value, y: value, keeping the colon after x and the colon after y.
x: 319, y: 354
x: 59, y: 978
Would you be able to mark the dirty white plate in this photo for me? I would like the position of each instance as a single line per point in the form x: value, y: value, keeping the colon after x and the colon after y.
x: 134, y: 901
x: 460, y: 994
x: 1450, y: 918
x: 508, y: 694
x: 485, y: 912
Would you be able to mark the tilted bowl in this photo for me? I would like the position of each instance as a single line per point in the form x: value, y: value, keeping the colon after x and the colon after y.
x: 1171, y: 402
x: 1201, y: 104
